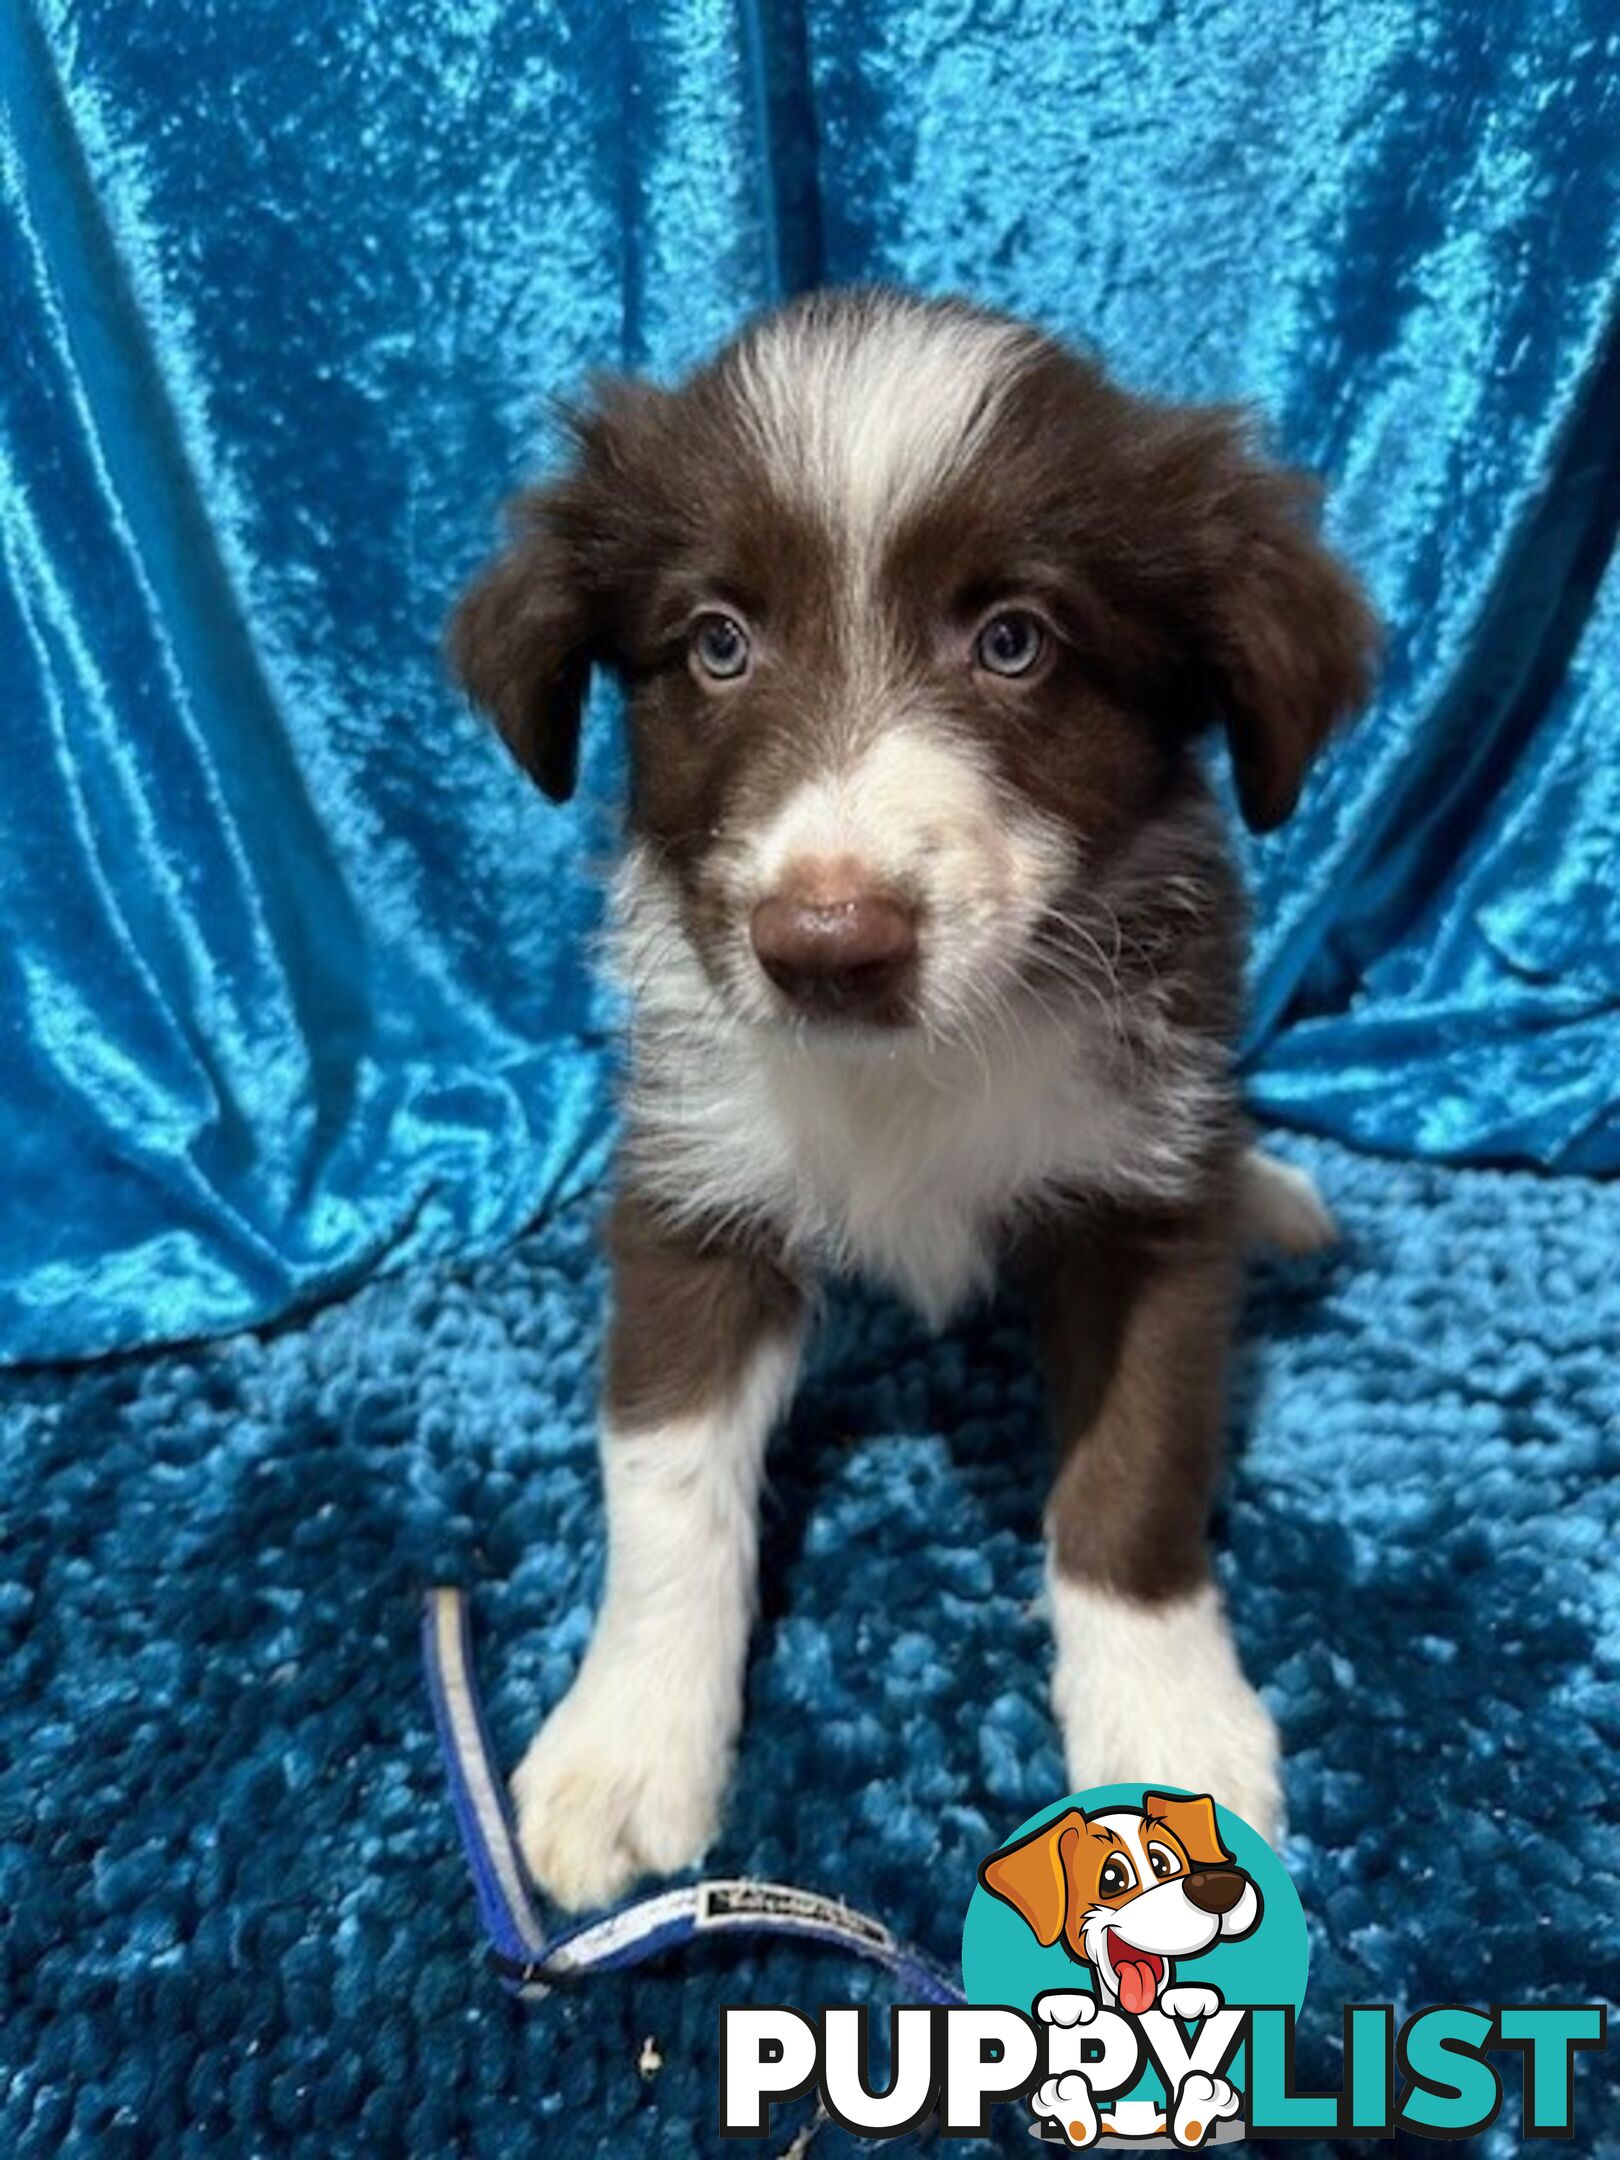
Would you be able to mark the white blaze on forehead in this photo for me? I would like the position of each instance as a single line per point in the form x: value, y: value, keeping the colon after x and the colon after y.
x: 861, y: 407
x: 1130, y: 1830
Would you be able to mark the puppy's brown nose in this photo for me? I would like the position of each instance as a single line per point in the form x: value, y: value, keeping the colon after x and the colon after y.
x: 836, y: 944
x: 1216, y: 1890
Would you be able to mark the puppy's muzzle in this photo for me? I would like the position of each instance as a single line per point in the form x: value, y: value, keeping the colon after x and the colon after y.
x: 1216, y: 1890
x: 836, y: 945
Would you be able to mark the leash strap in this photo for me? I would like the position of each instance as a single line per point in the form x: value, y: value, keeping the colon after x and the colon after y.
x: 529, y: 1962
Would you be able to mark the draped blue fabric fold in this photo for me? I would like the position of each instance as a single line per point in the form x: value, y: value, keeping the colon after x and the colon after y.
x: 293, y: 974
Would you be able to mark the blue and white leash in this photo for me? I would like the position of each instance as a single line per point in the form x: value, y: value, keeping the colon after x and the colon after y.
x: 527, y: 1960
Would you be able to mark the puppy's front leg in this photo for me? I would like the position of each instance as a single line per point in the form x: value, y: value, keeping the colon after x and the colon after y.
x: 628, y: 1773
x: 1147, y: 1685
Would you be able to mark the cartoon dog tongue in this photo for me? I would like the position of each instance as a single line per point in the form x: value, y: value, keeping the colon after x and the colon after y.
x: 1138, y: 1982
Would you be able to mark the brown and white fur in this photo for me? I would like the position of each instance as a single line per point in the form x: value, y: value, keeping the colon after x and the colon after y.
x: 933, y: 951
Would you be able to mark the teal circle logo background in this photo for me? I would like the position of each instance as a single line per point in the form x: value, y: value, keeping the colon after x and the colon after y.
x: 1003, y: 1963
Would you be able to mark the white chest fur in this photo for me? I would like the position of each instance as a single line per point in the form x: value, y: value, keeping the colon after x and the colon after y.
x: 907, y: 1161
x: 894, y: 1163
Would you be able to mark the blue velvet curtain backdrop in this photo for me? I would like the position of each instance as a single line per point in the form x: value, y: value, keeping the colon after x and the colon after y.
x: 291, y: 961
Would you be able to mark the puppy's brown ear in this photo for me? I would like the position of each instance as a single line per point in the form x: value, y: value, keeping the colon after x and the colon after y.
x: 1033, y: 1875
x: 1194, y: 1823
x: 520, y: 644
x: 1282, y: 633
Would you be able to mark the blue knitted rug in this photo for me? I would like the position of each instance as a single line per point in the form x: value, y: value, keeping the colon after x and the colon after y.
x: 235, y: 1919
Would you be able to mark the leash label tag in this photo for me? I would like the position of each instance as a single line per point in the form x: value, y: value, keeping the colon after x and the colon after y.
x: 728, y: 1901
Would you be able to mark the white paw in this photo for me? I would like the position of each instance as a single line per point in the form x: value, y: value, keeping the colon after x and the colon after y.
x: 1060, y: 2007
x: 1189, y: 2002
x: 1282, y: 1207
x: 1153, y: 1695
x: 1201, y: 2102
x: 1067, y: 2101
x: 614, y: 1786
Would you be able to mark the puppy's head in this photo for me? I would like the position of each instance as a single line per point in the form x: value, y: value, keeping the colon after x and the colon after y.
x: 1128, y: 1890
x: 918, y: 618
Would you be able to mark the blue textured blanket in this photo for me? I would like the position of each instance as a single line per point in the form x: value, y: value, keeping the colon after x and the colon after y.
x: 237, y: 1917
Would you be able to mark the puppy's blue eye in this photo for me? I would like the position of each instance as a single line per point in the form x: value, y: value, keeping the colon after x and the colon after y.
x: 1010, y: 643
x: 720, y: 647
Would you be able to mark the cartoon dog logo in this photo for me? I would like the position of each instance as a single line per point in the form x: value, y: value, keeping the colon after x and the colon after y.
x: 1129, y: 1892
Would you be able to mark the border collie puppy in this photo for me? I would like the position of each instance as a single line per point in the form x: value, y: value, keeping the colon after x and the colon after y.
x: 933, y: 952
